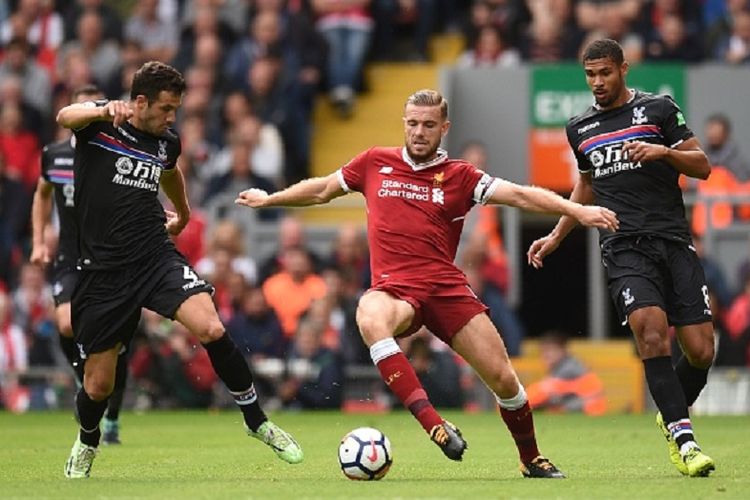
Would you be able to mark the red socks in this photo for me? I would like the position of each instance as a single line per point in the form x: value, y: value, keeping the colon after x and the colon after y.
x: 399, y: 376
x: 520, y: 423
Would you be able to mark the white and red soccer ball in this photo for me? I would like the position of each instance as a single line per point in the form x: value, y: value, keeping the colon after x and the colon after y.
x: 365, y: 454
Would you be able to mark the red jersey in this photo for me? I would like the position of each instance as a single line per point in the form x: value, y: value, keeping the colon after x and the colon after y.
x: 415, y: 212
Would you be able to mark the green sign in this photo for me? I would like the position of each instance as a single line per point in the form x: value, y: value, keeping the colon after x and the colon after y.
x: 560, y: 91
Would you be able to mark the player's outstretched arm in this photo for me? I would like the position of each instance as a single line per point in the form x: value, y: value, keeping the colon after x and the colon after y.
x: 583, y: 193
x: 314, y: 191
x: 77, y: 116
x: 41, y: 209
x: 543, y: 200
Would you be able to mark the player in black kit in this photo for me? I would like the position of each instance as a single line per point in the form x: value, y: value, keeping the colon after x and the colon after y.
x: 57, y: 180
x: 631, y: 148
x: 124, y: 152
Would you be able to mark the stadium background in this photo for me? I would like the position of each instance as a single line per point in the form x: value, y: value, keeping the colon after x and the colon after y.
x: 261, y: 111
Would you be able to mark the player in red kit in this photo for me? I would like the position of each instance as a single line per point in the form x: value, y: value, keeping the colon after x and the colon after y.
x: 417, y: 199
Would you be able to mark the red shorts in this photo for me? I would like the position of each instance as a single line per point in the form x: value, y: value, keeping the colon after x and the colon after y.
x: 443, y: 309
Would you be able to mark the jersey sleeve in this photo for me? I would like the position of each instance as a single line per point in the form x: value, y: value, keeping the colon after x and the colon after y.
x: 45, y: 159
x: 85, y: 133
x: 353, y: 175
x: 480, y: 184
x: 173, y: 153
x: 674, y: 128
x: 584, y: 165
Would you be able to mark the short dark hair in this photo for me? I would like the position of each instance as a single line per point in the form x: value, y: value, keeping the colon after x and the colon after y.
x: 429, y: 97
x: 604, y: 48
x: 89, y: 89
x: 154, y: 77
x: 722, y: 120
x: 555, y: 337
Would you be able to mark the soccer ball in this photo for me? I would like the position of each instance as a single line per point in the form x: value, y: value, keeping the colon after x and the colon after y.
x: 365, y: 454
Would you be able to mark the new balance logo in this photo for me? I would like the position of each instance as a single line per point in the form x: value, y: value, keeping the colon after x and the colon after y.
x: 385, y: 169
x: 392, y: 377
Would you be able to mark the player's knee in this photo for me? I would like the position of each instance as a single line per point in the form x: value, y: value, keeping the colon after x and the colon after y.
x: 370, y: 328
x: 210, y: 331
x: 502, y: 382
x: 651, y: 343
x: 98, y: 389
x: 703, y: 357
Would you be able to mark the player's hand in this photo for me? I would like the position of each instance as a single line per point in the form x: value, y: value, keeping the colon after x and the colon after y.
x: 594, y: 216
x: 118, y: 112
x: 644, y: 151
x: 175, y: 224
x: 40, y: 255
x: 540, y: 249
x: 253, y: 198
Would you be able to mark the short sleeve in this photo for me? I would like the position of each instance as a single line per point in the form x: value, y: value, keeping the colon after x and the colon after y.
x: 84, y: 134
x: 174, y: 150
x: 480, y: 185
x: 353, y: 175
x: 584, y: 165
x: 45, y: 160
x: 674, y: 127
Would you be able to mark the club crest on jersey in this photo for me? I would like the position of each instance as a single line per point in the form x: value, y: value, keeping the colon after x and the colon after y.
x: 437, y: 179
x: 162, y: 153
x: 627, y: 297
x: 639, y: 116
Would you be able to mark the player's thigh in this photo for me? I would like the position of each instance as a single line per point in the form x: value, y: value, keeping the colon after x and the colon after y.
x: 105, y: 309
x: 198, y: 314
x: 62, y: 318
x: 481, y: 345
x: 697, y: 342
x: 179, y: 288
x: 687, y: 296
x: 99, y: 372
x: 381, y: 315
x: 634, y: 277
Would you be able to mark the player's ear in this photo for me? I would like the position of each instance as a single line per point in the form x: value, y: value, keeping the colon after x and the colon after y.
x: 624, y: 68
x: 141, y: 101
x: 444, y: 127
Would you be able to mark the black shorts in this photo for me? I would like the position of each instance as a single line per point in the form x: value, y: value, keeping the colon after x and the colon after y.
x: 651, y: 271
x: 64, y: 280
x: 106, y: 305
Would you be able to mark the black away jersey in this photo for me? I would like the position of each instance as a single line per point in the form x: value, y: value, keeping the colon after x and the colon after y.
x: 645, y: 195
x: 117, y: 172
x: 57, y: 169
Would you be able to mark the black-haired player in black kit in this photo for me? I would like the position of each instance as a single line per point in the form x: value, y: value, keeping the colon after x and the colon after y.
x: 57, y: 180
x: 631, y: 148
x: 124, y: 152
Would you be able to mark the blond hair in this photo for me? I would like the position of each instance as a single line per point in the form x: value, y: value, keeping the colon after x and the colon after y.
x: 429, y: 97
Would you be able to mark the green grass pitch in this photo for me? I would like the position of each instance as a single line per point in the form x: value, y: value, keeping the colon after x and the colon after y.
x: 186, y: 455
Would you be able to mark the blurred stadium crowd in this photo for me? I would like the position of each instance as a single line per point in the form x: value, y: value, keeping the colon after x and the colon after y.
x: 254, y: 69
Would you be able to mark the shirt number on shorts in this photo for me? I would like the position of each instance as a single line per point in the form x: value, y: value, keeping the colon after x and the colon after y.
x: 704, y: 290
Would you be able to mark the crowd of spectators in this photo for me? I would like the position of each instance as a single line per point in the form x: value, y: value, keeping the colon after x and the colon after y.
x: 254, y: 69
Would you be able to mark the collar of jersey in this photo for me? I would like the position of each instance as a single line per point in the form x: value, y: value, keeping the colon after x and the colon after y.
x: 633, y: 93
x: 442, y: 155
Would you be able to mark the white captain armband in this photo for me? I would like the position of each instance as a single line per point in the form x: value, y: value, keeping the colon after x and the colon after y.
x: 484, y: 188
